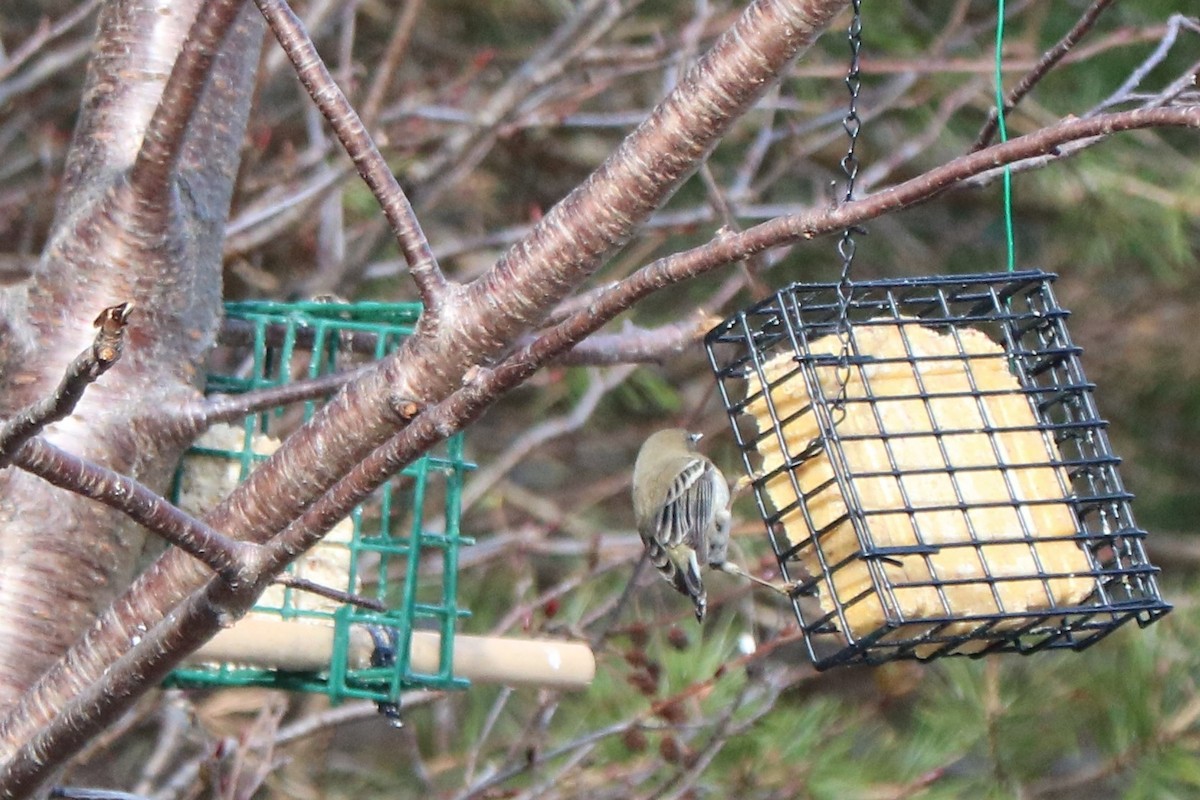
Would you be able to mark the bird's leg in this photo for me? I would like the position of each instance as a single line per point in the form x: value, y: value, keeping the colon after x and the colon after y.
x: 729, y: 568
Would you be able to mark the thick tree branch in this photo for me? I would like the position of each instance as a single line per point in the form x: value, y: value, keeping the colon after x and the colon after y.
x: 82, y: 372
x: 159, y: 155
x: 372, y: 166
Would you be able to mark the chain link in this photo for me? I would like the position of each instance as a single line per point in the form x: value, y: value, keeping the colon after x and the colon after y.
x: 846, y: 246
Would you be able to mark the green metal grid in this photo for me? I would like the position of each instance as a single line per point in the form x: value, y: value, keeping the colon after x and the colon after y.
x: 278, y: 343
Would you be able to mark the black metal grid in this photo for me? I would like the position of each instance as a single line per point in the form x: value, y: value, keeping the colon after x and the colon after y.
x: 1017, y: 311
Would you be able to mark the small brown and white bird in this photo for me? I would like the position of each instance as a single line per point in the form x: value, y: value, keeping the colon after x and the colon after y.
x: 681, y: 503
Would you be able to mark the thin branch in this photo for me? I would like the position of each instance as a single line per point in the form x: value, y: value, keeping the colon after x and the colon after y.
x: 636, y: 345
x: 389, y: 65
x: 233, y: 407
x: 233, y: 560
x: 46, y: 67
x: 1125, y: 90
x: 165, y: 133
x: 372, y: 166
x: 328, y: 592
x: 86, y: 793
x: 255, y: 227
x: 82, y: 372
x: 1048, y: 61
x: 464, y: 149
x: 45, y: 32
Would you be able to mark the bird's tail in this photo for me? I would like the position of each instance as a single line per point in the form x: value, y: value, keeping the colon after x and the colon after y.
x: 687, y: 579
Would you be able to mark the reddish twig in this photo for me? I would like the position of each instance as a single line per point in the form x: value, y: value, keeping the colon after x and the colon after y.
x: 82, y: 372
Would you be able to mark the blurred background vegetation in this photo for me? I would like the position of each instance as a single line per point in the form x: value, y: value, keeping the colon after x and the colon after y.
x: 733, y: 708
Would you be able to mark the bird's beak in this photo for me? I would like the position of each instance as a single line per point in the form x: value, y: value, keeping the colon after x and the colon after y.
x: 701, y: 607
x: 695, y: 437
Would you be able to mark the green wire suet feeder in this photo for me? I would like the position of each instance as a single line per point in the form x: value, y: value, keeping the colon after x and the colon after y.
x: 300, y: 641
x: 931, y: 468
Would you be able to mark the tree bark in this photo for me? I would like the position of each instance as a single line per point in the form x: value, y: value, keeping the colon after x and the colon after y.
x: 64, y: 558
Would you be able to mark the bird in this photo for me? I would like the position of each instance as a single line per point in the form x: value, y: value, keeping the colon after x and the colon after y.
x: 681, y: 503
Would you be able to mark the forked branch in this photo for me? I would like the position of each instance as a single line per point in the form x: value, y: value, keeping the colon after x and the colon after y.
x: 82, y: 372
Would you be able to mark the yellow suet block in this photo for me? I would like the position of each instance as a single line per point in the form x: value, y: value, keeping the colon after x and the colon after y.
x: 990, y: 464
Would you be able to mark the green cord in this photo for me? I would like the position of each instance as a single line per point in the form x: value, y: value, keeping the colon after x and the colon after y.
x: 1008, y: 215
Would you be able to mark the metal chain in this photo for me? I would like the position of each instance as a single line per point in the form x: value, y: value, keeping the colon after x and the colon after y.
x: 846, y: 246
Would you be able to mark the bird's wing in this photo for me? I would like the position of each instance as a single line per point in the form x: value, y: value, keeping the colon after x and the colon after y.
x: 688, y: 511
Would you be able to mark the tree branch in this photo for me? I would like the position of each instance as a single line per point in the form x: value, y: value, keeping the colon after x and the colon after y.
x: 233, y: 560
x: 82, y: 372
x: 1047, y: 62
x: 372, y: 166
x: 233, y: 407
x: 328, y: 592
x: 166, y: 132
x: 636, y: 345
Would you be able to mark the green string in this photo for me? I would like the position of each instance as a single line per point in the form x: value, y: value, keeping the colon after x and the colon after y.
x: 1001, y: 127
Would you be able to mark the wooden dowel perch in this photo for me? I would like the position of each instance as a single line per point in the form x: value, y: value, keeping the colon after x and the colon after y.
x: 297, y: 647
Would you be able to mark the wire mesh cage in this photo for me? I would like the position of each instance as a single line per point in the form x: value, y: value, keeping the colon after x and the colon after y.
x: 931, y: 468
x: 300, y: 641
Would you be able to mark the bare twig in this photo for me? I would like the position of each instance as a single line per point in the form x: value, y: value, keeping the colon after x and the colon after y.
x: 1125, y: 91
x: 45, y: 32
x: 174, y: 723
x: 599, y: 386
x: 82, y: 372
x: 46, y: 67
x: 1048, y: 61
x: 390, y: 63
x: 466, y: 148
x: 256, y: 226
x: 86, y: 793
x: 345, y: 598
x: 373, y: 168
x: 636, y: 345
x: 231, y: 407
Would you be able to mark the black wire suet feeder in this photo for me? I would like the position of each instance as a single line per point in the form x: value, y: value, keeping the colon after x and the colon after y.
x: 929, y: 462
x: 931, y: 468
